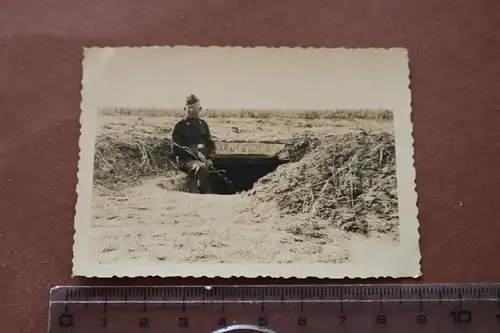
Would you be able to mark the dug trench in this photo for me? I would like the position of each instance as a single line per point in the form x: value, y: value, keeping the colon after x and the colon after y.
x: 242, y: 170
x: 319, y: 207
x: 348, y: 180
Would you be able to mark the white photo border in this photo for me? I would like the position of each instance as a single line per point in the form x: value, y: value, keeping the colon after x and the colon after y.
x: 392, y: 85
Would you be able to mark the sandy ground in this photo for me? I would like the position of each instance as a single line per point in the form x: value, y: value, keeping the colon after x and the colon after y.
x: 148, y: 222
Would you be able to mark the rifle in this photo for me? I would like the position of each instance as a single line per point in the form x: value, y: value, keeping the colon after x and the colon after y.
x: 187, y: 150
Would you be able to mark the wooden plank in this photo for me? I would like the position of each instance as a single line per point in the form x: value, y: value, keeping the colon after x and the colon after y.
x: 260, y: 148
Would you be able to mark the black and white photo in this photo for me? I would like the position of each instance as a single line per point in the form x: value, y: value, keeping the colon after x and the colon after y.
x: 221, y: 161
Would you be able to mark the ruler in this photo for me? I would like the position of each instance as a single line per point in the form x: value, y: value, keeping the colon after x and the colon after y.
x: 276, y: 308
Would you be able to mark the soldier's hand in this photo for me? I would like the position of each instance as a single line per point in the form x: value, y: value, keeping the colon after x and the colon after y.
x: 209, y: 163
x: 202, y: 157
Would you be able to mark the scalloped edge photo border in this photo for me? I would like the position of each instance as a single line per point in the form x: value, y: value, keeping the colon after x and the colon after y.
x: 404, y: 262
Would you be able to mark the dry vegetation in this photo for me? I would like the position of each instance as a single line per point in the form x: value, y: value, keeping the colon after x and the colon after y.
x: 258, y: 114
x: 348, y: 180
x: 123, y: 160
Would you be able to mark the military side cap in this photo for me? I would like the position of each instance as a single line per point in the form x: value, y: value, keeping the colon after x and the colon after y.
x: 191, y: 100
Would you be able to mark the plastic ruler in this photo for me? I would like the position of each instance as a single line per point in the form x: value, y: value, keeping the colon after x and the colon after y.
x: 276, y: 308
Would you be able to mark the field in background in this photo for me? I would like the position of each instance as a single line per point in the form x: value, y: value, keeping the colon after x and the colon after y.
x: 259, y: 114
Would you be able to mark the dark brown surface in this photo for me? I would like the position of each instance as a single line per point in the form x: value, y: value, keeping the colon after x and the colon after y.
x: 454, y: 48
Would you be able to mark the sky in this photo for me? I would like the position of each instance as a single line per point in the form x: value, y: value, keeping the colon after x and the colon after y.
x: 246, y: 78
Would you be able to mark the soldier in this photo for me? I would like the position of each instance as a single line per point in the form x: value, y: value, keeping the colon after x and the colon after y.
x: 193, y: 133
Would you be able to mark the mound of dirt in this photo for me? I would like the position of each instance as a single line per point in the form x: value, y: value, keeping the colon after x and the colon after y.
x: 301, y: 145
x: 123, y: 159
x: 349, y: 180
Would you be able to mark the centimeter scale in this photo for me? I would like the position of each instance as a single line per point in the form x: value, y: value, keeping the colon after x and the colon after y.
x: 276, y: 308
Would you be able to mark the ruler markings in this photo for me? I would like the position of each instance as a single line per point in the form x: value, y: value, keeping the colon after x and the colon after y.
x: 251, y: 291
x: 262, y: 300
x: 183, y: 300
x: 79, y: 293
x: 163, y: 296
x: 371, y: 301
x: 421, y: 302
x: 317, y: 294
x: 460, y: 300
x: 66, y: 299
x: 222, y: 302
x: 463, y: 303
x: 269, y: 295
x: 334, y: 293
x: 341, y: 295
x: 498, y: 295
x: 285, y: 293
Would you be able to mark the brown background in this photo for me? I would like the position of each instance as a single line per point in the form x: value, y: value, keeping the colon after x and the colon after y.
x: 454, y: 47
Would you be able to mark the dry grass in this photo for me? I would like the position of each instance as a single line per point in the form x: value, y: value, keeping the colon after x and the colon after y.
x: 257, y: 114
x: 123, y: 160
x: 349, y: 180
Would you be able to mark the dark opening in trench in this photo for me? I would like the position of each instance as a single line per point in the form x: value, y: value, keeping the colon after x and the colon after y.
x: 242, y: 170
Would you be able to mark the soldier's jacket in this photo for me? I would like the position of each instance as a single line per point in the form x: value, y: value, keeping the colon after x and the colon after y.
x: 194, y: 134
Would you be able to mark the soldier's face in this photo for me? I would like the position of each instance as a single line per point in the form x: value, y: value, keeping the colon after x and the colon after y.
x: 193, y: 110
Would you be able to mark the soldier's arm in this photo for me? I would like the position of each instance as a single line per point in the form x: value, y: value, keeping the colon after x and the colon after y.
x: 178, y: 138
x: 209, y: 142
x: 177, y: 135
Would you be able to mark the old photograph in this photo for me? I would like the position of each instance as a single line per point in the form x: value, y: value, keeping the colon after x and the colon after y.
x: 231, y: 161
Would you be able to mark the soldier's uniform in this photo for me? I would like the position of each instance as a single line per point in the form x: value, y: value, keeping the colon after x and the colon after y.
x: 194, y: 134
